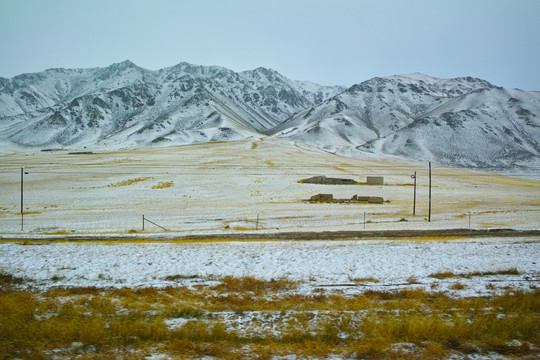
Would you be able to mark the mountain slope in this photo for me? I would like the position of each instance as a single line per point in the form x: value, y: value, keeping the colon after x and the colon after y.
x: 125, y: 105
x: 489, y: 128
x: 462, y: 121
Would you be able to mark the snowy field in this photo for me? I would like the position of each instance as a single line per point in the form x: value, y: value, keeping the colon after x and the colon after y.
x: 223, y: 188
x: 252, y: 186
x: 348, y: 267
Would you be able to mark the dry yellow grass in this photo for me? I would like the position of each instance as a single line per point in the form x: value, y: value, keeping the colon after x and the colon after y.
x: 163, y: 185
x: 133, y: 323
x: 130, y: 181
x: 447, y: 275
x: 252, y: 285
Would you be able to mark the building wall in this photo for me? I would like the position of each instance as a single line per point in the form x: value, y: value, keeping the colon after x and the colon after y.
x: 375, y: 180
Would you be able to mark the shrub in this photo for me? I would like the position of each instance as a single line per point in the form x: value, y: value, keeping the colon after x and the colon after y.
x: 163, y: 185
x: 130, y: 181
x: 8, y: 280
x: 256, y: 286
x: 443, y: 275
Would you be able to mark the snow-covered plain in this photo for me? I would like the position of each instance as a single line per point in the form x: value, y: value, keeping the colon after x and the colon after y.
x: 223, y: 187
x: 348, y: 267
x: 253, y: 186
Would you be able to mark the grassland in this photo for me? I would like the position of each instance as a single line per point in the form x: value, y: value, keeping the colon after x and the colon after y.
x: 204, y: 188
x: 210, y: 193
x: 250, y: 318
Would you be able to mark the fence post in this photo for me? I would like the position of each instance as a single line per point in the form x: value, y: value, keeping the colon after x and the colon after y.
x: 364, y: 219
x: 153, y: 223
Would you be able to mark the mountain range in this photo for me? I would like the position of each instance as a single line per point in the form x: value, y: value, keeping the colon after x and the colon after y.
x: 460, y: 122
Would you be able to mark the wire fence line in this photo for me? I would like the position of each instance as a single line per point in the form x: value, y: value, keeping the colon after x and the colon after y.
x: 354, y: 219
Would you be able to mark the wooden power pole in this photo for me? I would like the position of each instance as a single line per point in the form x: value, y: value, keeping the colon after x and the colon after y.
x: 414, y: 196
x: 429, y: 213
x: 22, y: 197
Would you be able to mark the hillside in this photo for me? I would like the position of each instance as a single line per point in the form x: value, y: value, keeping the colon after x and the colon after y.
x: 465, y: 121
x: 124, y: 105
x: 459, y: 122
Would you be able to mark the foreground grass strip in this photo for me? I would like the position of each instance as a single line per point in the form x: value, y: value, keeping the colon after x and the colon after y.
x: 448, y: 275
x: 262, y: 318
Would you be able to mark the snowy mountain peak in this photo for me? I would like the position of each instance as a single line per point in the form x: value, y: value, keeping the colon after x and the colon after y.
x: 126, y: 64
x: 128, y: 106
x: 185, y: 68
x: 263, y: 72
x: 462, y: 121
x: 416, y: 76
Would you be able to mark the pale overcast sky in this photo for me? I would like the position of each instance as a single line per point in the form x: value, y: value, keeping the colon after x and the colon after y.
x: 324, y: 41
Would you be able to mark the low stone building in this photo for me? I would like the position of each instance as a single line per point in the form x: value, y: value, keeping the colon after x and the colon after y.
x: 360, y: 198
x: 322, y: 198
x: 327, y: 181
x: 375, y: 200
x: 375, y: 180
x: 329, y: 198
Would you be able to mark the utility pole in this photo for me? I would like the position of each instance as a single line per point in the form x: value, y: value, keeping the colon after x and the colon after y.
x: 22, y: 198
x: 429, y: 214
x: 413, y: 176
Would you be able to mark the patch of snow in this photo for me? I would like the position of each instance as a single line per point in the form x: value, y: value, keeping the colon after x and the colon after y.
x: 328, y: 265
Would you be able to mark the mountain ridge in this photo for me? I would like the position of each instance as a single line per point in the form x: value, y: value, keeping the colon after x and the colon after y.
x: 417, y: 116
x: 462, y: 121
x: 179, y: 104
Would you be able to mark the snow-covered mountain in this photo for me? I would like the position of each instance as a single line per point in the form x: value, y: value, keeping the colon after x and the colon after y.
x: 124, y: 105
x: 460, y: 122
